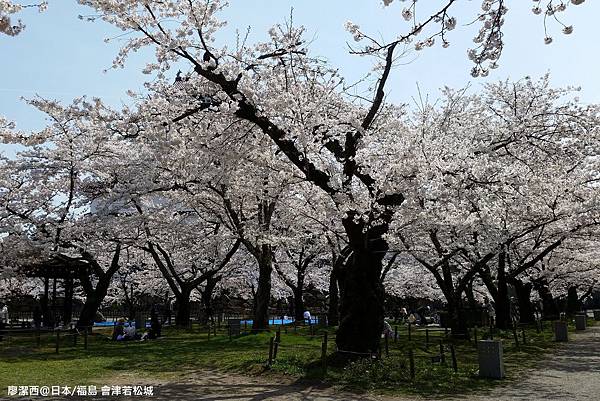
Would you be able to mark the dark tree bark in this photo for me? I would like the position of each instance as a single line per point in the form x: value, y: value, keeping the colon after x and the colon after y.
x: 95, y: 295
x: 502, y: 303
x: 262, y: 253
x: 573, y: 304
x: 183, y: 313
x: 549, y: 306
x: 361, y: 303
x: 206, y: 295
x: 333, y: 315
x: 526, y: 309
x: 130, y: 303
x: 47, y: 319
x: 338, y: 260
x: 68, y: 302
x: 471, y: 295
x: 457, y: 317
x: 299, y: 304
x: 260, y: 321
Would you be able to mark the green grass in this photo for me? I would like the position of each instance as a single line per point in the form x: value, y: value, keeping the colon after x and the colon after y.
x: 299, y: 356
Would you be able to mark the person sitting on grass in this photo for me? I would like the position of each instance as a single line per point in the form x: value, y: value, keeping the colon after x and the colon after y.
x: 307, y: 317
x: 129, y: 332
x: 118, y: 331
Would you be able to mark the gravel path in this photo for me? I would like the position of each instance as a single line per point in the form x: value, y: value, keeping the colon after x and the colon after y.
x: 571, y: 373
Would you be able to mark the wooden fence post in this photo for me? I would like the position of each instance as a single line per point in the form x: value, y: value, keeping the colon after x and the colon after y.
x: 409, y: 336
x: 271, y: 343
x: 57, y: 340
x: 475, y: 335
x: 38, y: 340
x: 411, y: 360
x: 515, y: 335
x: 324, y: 354
x: 453, y: 355
x: 426, y: 338
x: 277, y: 341
x: 442, y: 356
x: 395, y: 334
x: 85, y: 339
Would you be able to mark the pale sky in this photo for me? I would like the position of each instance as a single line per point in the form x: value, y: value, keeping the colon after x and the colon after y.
x: 61, y: 57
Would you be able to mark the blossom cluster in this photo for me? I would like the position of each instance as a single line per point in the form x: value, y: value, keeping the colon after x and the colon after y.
x: 8, y: 7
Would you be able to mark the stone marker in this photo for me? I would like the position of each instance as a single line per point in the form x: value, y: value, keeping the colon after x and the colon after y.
x: 597, y: 315
x: 491, y: 359
x: 580, y: 321
x: 235, y: 326
x: 561, y: 332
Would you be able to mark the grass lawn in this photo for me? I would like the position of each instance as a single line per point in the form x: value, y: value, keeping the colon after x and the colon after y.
x: 299, y: 356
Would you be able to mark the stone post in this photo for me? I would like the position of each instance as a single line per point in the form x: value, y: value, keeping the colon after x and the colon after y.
x: 561, y: 332
x: 491, y: 359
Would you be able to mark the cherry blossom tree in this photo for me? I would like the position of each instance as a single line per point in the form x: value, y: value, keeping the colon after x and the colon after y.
x: 501, y: 177
x: 295, y: 100
x: 48, y: 190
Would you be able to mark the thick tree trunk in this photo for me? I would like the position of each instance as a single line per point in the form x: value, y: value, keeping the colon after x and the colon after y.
x: 182, y: 317
x: 260, y: 321
x: 550, y: 309
x: 68, y: 302
x: 333, y: 316
x: 88, y: 312
x: 53, y: 311
x: 457, y: 317
x: 207, y: 299
x: 502, y: 303
x: 299, y: 303
x: 47, y: 320
x: 524, y: 297
x: 573, y: 304
x: 361, y: 308
x: 95, y: 296
x: 471, y: 295
x: 131, y: 310
x: 92, y: 303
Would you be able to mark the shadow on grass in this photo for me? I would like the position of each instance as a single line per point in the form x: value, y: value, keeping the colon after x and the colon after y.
x: 298, y: 357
